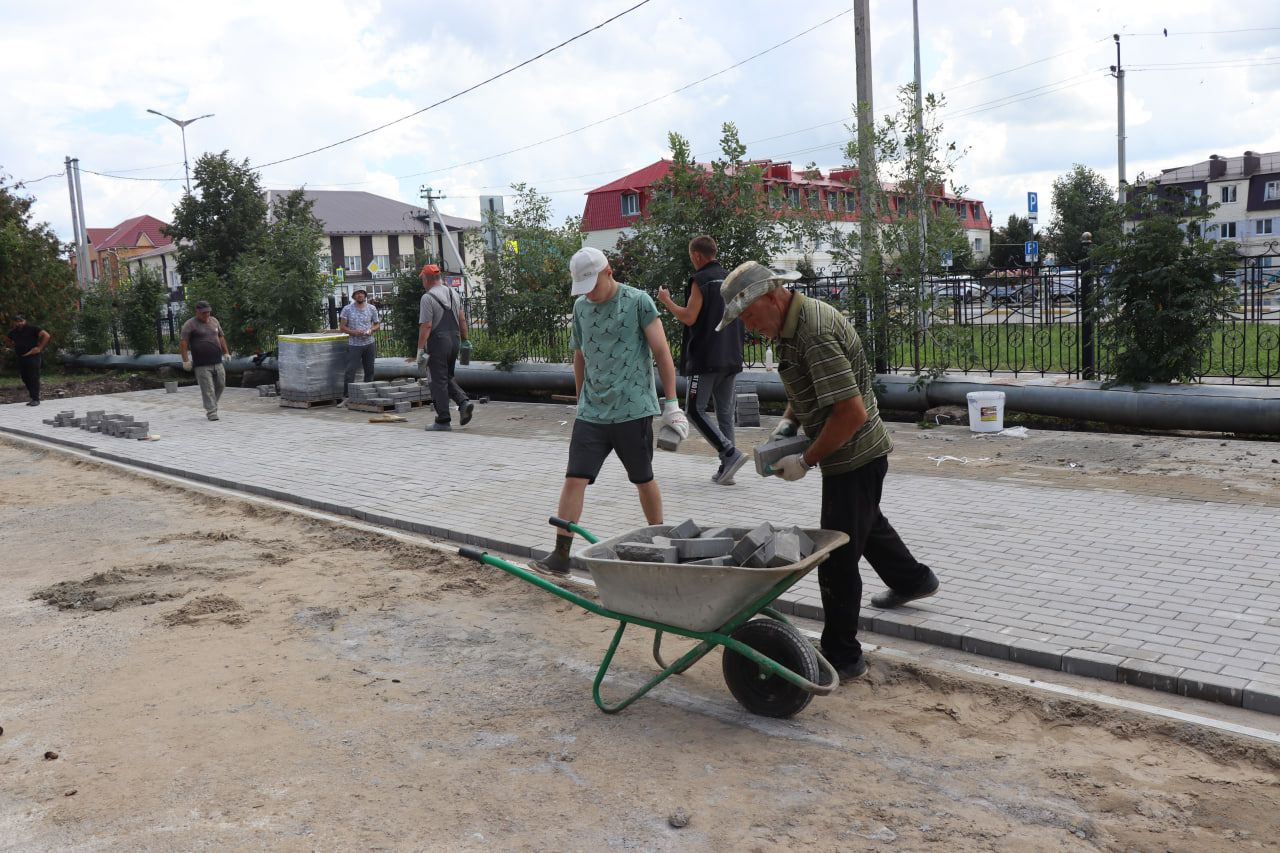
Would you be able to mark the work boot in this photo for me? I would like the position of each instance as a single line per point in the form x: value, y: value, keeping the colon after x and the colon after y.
x: 213, y: 416
x: 34, y: 403
x: 439, y: 426
x: 891, y: 598
x: 464, y: 412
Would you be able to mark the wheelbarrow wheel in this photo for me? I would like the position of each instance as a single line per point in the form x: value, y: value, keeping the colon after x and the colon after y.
x: 760, y: 691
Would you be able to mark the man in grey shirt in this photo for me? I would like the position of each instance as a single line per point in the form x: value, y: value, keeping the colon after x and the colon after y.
x: 441, y: 325
x: 204, y: 348
x: 359, y: 320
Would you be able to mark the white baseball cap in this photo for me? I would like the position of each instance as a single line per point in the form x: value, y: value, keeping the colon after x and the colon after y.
x: 585, y: 265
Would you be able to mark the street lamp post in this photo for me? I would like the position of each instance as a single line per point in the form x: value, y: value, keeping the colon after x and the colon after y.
x: 182, y: 125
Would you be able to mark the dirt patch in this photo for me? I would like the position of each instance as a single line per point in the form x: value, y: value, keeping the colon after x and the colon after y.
x: 386, y: 695
x: 114, y: 589
x: 55, y: 386
x: 222, y: 608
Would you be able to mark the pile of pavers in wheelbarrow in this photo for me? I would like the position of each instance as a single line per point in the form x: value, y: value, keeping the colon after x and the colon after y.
x: 402, y: 394
x: 97, y: 420
x: 761, y: 547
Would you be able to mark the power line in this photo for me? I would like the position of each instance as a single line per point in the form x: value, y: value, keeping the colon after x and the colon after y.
x: 967, y: 110
x: 1027, y: 65
x: 127, y: 177
x: 38, y: 180
x: 1167, y: 34
x: 649, y: 102
x: 114, y: 172
x: 456, y: 95
x: 1202, y: 67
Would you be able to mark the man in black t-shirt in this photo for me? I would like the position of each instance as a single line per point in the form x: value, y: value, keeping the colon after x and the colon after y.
x: 28, y: 342
x: 711, y: 360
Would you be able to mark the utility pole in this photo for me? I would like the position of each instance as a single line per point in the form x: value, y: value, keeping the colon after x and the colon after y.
x: 1117, y: 71
x: 867, y: 179
x: 75, y: 224
x: 447, y: 247
x: 82, y: 239
x: 921, y: 217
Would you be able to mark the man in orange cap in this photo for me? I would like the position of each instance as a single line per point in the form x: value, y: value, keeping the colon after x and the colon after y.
x: 442, y: 325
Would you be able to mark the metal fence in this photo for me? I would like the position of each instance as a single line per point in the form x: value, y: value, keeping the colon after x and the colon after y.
x: 1030, y: 320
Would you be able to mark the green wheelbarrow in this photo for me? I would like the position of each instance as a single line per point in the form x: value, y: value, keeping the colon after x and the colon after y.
x: 768, y: 665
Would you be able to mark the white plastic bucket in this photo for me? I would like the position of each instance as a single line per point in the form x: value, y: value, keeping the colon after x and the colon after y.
x: 986, y: 411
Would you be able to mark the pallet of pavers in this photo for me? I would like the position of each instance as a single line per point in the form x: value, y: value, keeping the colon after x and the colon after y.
x: 398, y: 395
x: 304, y: 403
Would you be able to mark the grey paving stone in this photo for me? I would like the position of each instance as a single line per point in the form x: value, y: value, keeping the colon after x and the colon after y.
x: 1212, y: 687
x: 1091, y: 663
x: 985, y: 643
x: 1149, y: 674
x: 1262, y: 696
x: 1033, y: 653
x: 940, y: 633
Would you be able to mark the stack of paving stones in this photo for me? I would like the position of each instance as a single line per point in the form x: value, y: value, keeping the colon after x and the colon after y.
x: 380, y: 396
x: 97, y: 420
x: 268, y: 391
x: 760, y: 547
x: 747, y: 413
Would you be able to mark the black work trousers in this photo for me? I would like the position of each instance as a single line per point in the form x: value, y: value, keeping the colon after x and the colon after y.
x: 442, y: 350
x: 851, y: 504
x: 29, y: 370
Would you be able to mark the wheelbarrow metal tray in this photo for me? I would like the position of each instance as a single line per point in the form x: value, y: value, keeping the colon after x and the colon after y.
x: 692, y: 597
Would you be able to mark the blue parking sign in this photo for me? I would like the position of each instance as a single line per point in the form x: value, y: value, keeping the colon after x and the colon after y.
x: 1033, y: 203
x: 1031, y: 249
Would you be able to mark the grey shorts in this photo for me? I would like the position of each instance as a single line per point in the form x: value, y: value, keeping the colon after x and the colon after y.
x: 591, y: 443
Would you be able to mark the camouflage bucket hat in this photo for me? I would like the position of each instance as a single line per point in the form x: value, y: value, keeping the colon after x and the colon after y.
x: 747, y: 283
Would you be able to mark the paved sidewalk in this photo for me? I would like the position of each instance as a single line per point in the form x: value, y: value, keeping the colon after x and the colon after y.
x: 1176, y: 595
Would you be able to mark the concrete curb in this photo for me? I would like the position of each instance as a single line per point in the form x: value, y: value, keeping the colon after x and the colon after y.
x: 1107, y: 664
x: 915, y: 625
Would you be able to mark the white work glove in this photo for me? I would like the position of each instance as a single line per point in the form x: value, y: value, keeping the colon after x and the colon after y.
x: 786, y: 428
x: 226, y: 359
x: 791, y: 467
x: 186, y: 365
x: 422, y: 356
x: 674, y: 418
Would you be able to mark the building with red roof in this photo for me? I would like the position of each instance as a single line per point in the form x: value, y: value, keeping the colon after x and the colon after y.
x: 613, y: 209
x: 109, y: 248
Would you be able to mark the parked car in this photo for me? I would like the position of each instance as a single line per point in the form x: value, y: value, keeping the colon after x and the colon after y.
x: 1063, y: 285
x: 1012, y: 292
x: 958, y: 288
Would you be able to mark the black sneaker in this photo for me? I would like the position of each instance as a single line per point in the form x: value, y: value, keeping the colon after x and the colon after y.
x: 728, y: 467
x: 891, y: 598
x: 438, y: 426
x: 464, y: 412
x: 34, y: 403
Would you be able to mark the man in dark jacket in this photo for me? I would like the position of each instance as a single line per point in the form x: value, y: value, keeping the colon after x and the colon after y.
x: 710, y: 359
x: 29, y: 340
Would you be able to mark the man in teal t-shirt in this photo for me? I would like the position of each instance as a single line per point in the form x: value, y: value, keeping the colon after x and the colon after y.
x: 616, y: 338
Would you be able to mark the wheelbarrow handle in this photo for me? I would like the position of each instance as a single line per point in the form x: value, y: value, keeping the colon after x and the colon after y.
x: 471, y: 553
x: 573, y: 527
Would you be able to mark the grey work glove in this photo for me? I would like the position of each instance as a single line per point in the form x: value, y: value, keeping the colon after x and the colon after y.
x: 792, y: 467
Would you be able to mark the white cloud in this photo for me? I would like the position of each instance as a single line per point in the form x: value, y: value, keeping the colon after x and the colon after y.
x: 285, y: 77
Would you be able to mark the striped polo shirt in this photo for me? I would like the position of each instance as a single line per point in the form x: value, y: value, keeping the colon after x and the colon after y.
x: 821, y: 362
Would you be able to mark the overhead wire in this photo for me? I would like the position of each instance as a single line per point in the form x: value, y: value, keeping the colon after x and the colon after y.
x: 458, y: 94
x: 632, y: 109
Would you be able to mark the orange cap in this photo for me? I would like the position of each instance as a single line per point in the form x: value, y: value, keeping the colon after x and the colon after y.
x: 429, y: 269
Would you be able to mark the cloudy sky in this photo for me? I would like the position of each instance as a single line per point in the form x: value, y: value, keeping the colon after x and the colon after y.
x: 1027, y: 90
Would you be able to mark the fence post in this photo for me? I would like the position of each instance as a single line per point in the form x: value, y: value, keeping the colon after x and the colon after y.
x: 1085, y: 296
x: 159, y: 334
x: 333, y: 312
x: 168, y: 310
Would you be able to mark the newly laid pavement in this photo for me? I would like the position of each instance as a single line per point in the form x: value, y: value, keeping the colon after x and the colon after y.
x: 1173, y: 594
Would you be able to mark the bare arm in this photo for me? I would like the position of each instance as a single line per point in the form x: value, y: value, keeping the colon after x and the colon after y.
x: 342, y: 325
x: 182, y: 349
x: 222, y: 342
x: 846, y: 418
x: 43, y: 341
x: 424, y: 330
x: 689, y: 313
x: 462, y: 324
x: 657, y: 340
x: 579, y: 371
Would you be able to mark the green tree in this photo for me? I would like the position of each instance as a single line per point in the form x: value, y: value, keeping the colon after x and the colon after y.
x: 403, y: 307
x: 278, y: 285
x: 723, y: 199
x: 909, y: 152
x: 141, y: 298
x: 94, y: 319
x: 527, y: 279
x: 223, y: 219
x: 35, y: 279
x: 1007, y: 243
x: 1166, y: 293
x: 1082, y: 201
